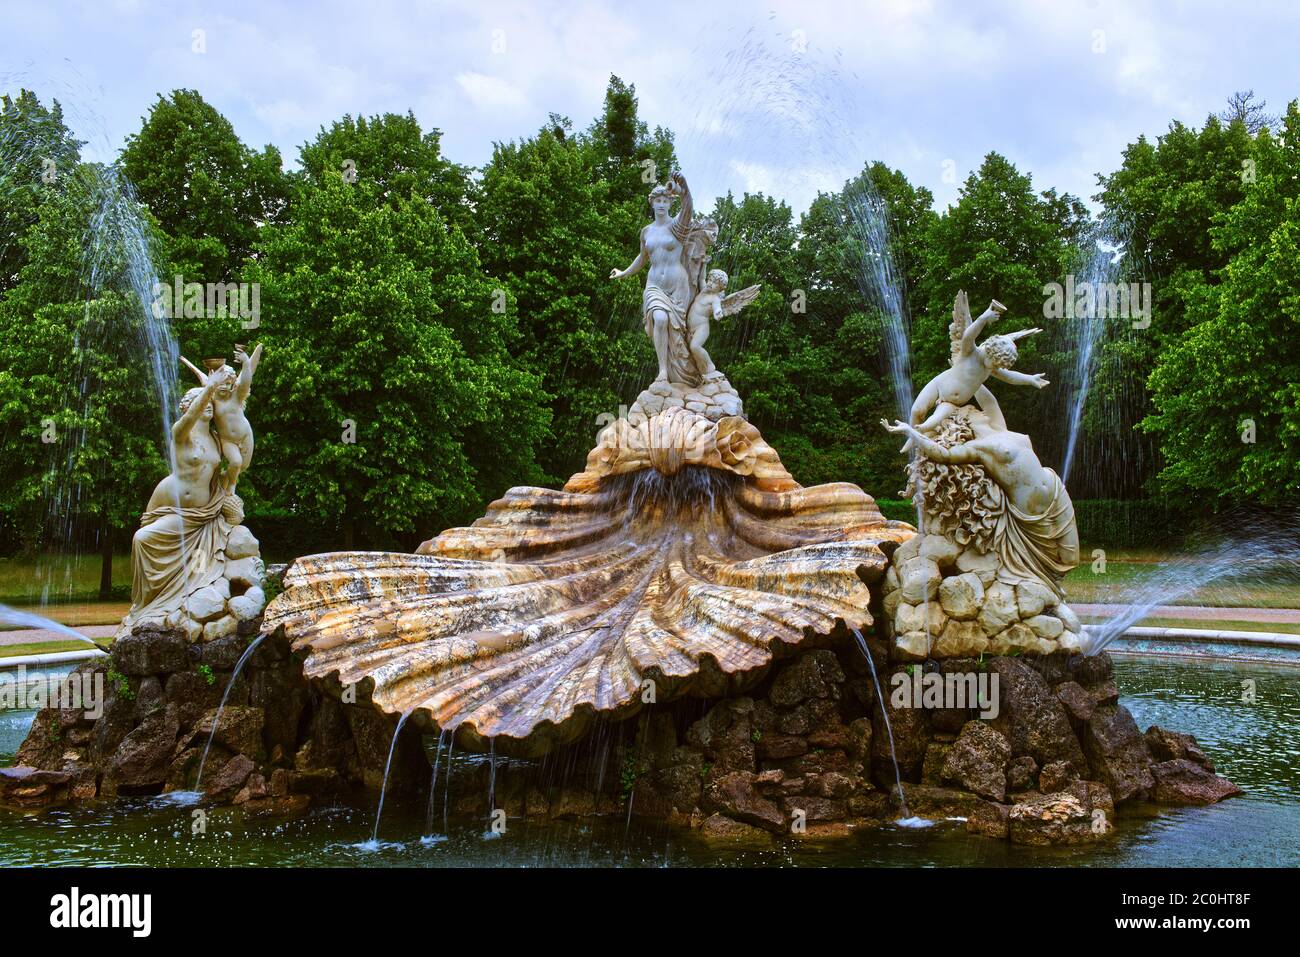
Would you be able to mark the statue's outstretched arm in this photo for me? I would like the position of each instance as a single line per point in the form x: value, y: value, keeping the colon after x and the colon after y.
x: 186, y: 422
x: 637, y: 264
x: 957, y: 455
x: 247, y: 366
x: 1038, y: 379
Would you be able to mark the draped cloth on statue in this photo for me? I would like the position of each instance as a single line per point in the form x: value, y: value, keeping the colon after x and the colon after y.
x: 175, y: 552
x: 681, y: 368
x: 1029, y: 546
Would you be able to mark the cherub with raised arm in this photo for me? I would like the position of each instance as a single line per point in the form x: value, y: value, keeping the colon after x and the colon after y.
x: 971, y: 366
x: 711, y: 304
x: 233, y: 430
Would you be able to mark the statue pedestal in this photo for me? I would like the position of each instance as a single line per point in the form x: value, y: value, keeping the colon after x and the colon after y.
x: 215, y: 604
x: 714, y: 399
x: 943, y: 600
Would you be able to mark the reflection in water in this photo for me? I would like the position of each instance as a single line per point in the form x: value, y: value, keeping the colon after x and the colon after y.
x: 1254, y: 744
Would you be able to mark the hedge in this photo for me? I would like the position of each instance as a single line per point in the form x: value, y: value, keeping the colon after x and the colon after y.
x: 1114, y: 523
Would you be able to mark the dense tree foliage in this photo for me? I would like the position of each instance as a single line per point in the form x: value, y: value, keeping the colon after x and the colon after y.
x: 79, y: 409
x: 436, y: 334
x: 558, y: 211
x: 1225, y: 393
x: 208, y: 191
x: 390, y: 397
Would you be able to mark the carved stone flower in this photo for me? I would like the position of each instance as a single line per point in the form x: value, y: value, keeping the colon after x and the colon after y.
x: 738, y: 444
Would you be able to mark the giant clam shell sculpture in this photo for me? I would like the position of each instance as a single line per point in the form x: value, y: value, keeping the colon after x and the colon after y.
x: 683, y: 560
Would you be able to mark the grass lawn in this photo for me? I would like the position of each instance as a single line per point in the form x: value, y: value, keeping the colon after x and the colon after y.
x: 25, y: 580
x: 1127, y: 577
x: 42, y: 648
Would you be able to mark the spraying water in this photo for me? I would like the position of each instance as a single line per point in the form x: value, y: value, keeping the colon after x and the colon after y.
x: 1274, y: 552
x: 42, y: 167
x: 881, y: 284
x: 26, y: 619
x: 1082, y: 335
x: 119, y: 250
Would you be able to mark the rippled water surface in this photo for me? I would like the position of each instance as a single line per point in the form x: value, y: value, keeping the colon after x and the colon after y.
x: 1254, y: 742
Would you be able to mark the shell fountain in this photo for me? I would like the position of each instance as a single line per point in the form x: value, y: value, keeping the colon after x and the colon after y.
x: 684, y: 559
x: 621, y: 589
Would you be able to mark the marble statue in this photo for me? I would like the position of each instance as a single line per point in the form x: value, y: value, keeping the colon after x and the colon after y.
x: 1034, y: 536
x: 681, y: 294
x: 711, y: 305
x: 228, y: 401
x: 970, y: 367
x: 683, y: 560
x: 997, y: 531
x: 194, y: 567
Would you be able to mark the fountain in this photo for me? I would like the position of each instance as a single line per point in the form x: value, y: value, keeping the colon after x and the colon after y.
x: 682, y: 607
x: 683, y: 560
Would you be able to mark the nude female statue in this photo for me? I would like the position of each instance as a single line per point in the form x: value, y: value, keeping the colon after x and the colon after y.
x: 194, y: 449
x: 178, y: 546
x: 668, y: 286
x: 1037, y: 535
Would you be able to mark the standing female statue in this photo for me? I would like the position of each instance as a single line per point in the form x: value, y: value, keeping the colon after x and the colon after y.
x: 668, y: 288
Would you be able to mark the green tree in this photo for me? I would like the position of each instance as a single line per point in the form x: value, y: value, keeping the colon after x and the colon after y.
x: 1225, y: 394
x: 1001, y: 240
x: 387, y: 398
x: 79, y: 409
x: 397, y: 158
x: 558, y: 211
x: 36, y: 148
x: 1159, y: 207
x: 209, y: 192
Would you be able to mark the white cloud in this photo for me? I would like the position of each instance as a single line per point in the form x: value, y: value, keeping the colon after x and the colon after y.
x: 915, y: 83
x: 491, y: 92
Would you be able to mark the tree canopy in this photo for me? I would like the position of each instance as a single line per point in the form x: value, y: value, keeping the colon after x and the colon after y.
x: 435, y: 334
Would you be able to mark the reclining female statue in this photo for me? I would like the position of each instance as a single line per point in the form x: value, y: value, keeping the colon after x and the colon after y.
x: 1035, y: 534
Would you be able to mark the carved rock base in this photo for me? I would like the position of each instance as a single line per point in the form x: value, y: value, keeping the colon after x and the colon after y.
x: 714, y: 399
x: 216, y: 611
x: 945, y: 601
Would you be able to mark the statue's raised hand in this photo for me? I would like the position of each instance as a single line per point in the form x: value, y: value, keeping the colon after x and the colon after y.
x: 240, y: 355
x: 1039, y: 380
x: 220, y: 376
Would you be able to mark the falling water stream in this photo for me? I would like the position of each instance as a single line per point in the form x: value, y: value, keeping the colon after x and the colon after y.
x: 216, y: 721
x: 908, y: 820
x: 388, y: 766
x: 433, y: 786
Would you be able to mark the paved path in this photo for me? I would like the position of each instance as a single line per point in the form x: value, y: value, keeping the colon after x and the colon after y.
x: 1197, y: 612
x: 25, y: 636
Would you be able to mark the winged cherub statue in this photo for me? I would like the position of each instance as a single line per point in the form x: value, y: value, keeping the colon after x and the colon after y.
x: 970, y: 367
x: 709, y: 305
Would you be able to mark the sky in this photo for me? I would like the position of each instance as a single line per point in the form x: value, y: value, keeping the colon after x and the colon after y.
x: 784, y: 97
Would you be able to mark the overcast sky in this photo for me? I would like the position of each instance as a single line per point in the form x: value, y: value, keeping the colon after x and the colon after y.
x: 784, y: 97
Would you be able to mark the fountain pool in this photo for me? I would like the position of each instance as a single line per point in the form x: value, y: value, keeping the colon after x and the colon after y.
x: 1254, y: 744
